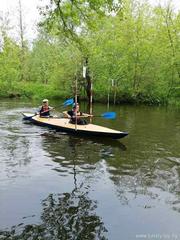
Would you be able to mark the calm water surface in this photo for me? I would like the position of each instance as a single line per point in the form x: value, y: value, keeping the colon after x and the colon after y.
x: 55, y: 186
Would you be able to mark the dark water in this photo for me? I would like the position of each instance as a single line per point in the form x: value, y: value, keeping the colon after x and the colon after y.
x: 55, y: 186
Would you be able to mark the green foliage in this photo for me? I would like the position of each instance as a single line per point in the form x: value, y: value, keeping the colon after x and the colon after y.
x: 33, y: 91
x: 137, y: 49
x: 9, y: 63
x: 133, y: 53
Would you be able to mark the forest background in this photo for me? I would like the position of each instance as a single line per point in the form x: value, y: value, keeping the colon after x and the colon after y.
x: 131, y: 50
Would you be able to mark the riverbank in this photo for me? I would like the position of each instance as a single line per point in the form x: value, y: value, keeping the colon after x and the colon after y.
x: 28, y: 90
x: 36, y: 91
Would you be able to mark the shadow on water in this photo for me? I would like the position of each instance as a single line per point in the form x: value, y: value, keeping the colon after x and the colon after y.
x: 85, y: 140
x: 86, y: 152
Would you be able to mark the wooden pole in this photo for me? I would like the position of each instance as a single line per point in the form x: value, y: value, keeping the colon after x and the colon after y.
x: 108, y: 101
x: 91, y: 101
x: 108, y: 95
x: 115, y: 95
x: 76, y: 99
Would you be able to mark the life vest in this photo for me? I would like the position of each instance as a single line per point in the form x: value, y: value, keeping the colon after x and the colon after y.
x: 44, y: 111
x: 77, y: 120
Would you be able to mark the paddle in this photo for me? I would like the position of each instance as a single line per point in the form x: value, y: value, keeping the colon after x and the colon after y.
x: 106, y: 115
x: 68, y: 102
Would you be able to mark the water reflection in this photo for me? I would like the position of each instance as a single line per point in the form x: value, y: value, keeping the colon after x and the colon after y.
x: 148, y: 176
x: 84, y: 153
x: 87, y: 181
x: 69, y: 215
x: 65, y: 216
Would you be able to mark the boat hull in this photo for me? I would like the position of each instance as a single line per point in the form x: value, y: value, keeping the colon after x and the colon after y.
x: 63, y: 125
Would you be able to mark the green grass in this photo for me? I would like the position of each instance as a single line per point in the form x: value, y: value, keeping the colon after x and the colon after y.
x: 38, y: 91
x: 32, y: 91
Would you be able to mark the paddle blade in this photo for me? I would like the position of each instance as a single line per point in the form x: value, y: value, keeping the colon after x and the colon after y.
x: 68, y: 102
x: 109, y: 115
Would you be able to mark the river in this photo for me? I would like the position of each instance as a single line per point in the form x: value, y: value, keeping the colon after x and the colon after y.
x: 56, y: 186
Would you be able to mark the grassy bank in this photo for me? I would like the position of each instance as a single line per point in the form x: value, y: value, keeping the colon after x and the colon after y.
x: 129, y: 97
x: 32, y: 91
x: 40, y: 91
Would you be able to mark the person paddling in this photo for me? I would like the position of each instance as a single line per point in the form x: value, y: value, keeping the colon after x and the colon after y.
x: 76, y: 116
x: 45, y: 109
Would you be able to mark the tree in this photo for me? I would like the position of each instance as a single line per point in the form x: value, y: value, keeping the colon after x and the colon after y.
x: 9, y: 64
x: 9, y: 60
x: 73, y: 19
x: 23, y: 44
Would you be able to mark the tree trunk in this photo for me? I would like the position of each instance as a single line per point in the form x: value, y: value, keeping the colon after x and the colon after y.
x: 22, y: 56
x: 89, y: 91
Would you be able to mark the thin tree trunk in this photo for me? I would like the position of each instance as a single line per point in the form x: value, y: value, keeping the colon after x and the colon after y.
x: 171, y: 42
x: 22, y: 56
x: 89, y: 88
x: 76, y: 99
